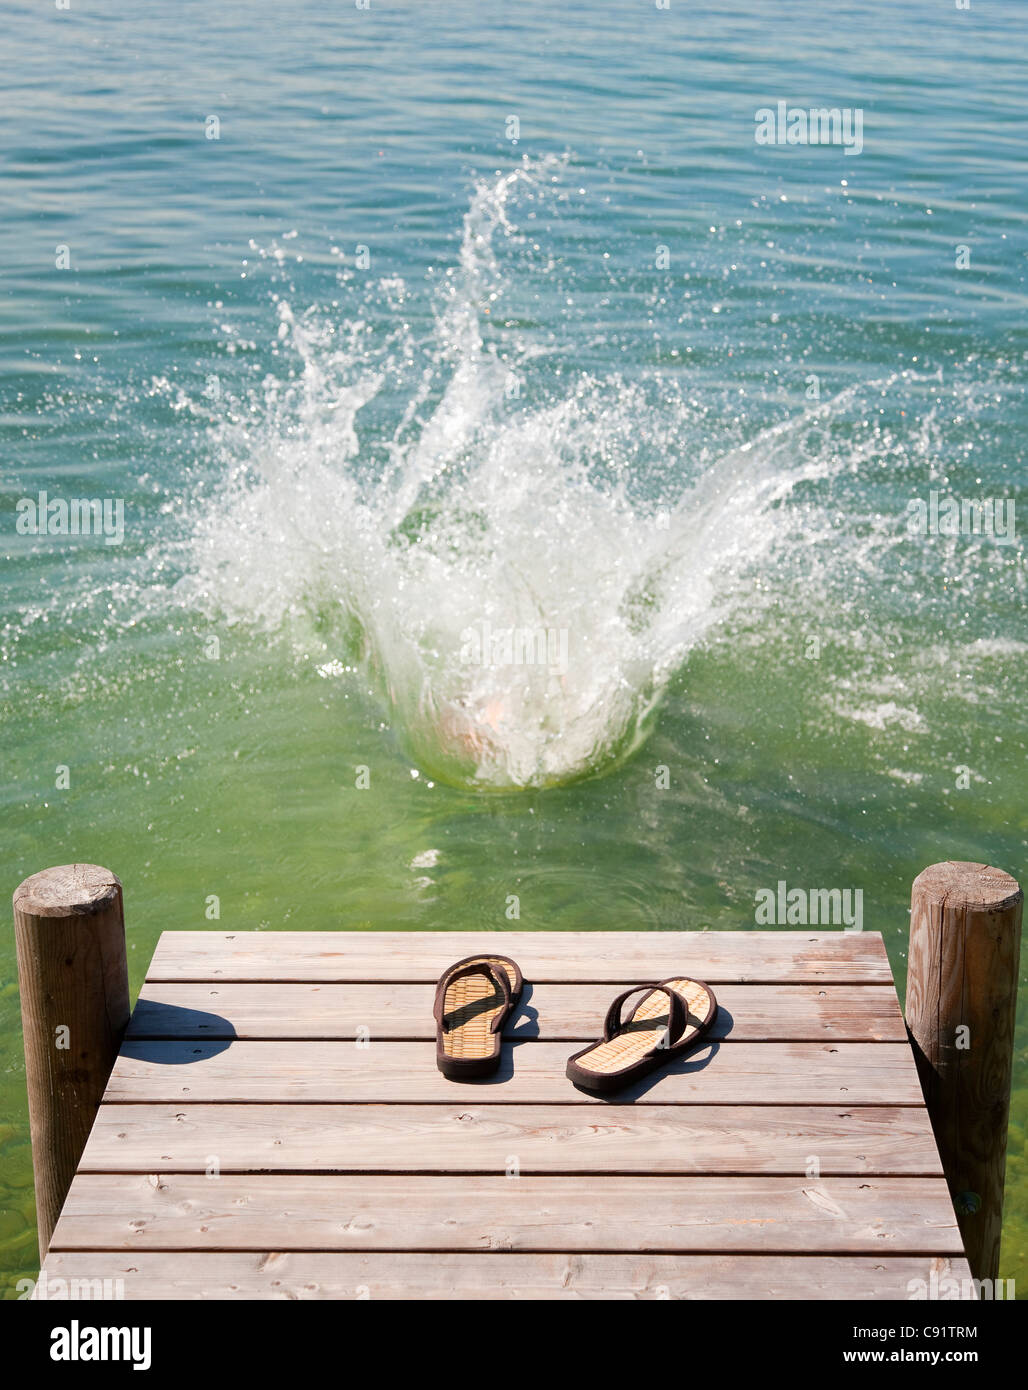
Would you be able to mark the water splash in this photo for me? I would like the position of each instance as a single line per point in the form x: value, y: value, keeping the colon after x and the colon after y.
x: 501, y: 550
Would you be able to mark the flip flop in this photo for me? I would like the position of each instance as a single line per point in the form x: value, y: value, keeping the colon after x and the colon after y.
x: 473, y: 1000
x: 669, y: 1020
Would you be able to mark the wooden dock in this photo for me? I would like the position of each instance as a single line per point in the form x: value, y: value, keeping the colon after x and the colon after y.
x: 275, y: 1127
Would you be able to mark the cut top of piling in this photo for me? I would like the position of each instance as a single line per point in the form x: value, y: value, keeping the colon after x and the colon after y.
x: 959, y: 883
x: 67, y: 890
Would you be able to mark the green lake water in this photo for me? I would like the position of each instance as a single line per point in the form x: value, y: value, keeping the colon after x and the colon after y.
x: 376, y: 366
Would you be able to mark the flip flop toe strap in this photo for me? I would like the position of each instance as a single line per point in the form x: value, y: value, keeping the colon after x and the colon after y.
x: 478, y: 967
x: 678, y: 1015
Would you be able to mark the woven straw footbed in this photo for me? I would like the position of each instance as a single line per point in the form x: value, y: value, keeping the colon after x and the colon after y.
x: 644, y: 1029
x: 469, y: 1007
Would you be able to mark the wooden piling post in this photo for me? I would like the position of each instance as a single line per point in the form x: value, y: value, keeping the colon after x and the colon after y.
x: 70, y: 935
x: 965, y: 939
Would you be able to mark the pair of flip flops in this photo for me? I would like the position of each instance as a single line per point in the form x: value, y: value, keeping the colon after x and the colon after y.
x: 475, y: 997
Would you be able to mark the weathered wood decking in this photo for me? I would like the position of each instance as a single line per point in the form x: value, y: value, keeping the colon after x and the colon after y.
x: 275, y: 1126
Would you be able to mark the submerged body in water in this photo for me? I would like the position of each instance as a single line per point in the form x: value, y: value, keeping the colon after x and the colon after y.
x: 519, y: 573
x: 520, y: 600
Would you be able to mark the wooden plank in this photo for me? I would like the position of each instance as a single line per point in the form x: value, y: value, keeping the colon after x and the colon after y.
x: 572, y: 1013
x: 740, y: 1074
x: 755, y: 957
x: 466, y: 1137
x: 432, y: 1276
x: 176, y: 1211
